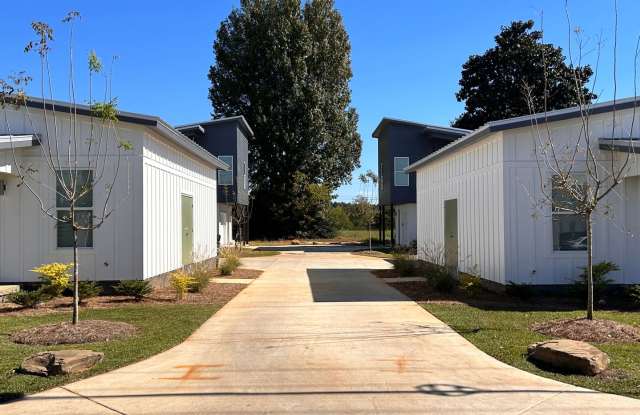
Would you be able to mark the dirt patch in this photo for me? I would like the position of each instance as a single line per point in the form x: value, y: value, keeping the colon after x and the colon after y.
x: 86, y: 331
x: 243, y: 273
x: 593, y: 331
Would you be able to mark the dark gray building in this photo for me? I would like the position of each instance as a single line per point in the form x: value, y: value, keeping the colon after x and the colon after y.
x: 401, y: 143
x: 227, y: 139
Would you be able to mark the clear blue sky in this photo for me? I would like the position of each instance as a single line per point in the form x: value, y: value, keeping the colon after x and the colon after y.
x: 407, y: 55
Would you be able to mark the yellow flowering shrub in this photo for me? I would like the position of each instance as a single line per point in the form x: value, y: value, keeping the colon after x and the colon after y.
x: 55, y: 276
x: 181, y: 281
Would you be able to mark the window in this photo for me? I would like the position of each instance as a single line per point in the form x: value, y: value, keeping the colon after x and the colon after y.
x: 225, y: 178
x: 400, y: 177
x: 569, y: 229
x: 83, y: 209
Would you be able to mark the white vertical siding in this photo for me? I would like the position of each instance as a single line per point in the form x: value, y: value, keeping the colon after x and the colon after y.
x: 405, y: 224
x: 28, y: 238
x: 529, y: 238
x: 474, y: 176
x: 169, y: 173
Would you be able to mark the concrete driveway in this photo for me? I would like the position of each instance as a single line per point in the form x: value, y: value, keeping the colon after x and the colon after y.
x: 317, y: 333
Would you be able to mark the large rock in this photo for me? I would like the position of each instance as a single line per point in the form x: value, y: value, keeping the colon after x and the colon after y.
x: 569, y: 356
x: 60, y: 362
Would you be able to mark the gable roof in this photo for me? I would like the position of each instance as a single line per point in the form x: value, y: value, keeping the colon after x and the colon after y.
x: 427, y: 127
x: 156, y: 123
x: 237, y: 118
x: 525, y: 121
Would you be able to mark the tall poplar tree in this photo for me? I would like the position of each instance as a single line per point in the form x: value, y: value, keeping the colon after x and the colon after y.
x: 287, y: 68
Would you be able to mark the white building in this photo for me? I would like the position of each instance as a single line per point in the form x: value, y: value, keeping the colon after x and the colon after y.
x: 164, y: 197
x: 478, y: 200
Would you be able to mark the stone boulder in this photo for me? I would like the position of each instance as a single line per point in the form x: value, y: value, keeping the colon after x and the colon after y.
x: 569, y: 356
x: 60, y: 362
x: 296, y: 242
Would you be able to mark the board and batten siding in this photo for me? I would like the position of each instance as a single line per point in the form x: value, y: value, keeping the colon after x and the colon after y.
x: 530, y: 257
x: 474, y: 176
x: 169, y: 173
x: 28, y: 237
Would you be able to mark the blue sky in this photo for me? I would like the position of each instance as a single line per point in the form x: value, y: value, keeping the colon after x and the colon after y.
x: 406, y: 55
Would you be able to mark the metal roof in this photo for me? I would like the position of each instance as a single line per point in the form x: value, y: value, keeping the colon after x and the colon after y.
x: 238, y: 118
x: 156, y: 123
x: 525, y: 121
x: 429, y: 127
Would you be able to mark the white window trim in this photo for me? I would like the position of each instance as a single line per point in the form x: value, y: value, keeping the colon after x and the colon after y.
x: 223, y: 171
x: 400, y: 171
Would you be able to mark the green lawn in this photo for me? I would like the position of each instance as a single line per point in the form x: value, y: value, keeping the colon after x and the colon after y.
x: 505, y: 336
x: 344, y: 235
x: 160, y: 328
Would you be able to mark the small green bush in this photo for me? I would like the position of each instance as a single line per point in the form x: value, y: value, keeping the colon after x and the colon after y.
x: 471, y: 284
x: 137, y: 289
x: 440, y: 278
x: 405, y: 264
x: 444, y: 282
x: 523, y: 292
x: 634, y: 294
x: 88, y: 289
x: 600, y: 281
x: 201, y: 273
x: 28, y: 299
x: 229, y: 264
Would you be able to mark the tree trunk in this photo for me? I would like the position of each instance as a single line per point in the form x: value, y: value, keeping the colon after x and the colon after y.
x: 369, y: 236
x: 589, y: 267
x: 76, y: 280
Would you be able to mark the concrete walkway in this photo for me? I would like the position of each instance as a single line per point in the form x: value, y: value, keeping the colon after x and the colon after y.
x: 316, y: 333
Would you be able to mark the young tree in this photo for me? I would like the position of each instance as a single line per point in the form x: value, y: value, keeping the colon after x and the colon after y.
x: 491, y: 83
x: 287, y: 68
x: 363, y: 202
x: 80, y: 161
x: 577, y: 177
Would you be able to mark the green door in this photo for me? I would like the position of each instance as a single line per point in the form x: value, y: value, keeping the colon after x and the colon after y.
x: 451, y: 234
x: 187, y: 229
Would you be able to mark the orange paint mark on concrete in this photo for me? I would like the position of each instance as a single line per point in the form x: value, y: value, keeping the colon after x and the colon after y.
x: 401, y: 364
x: 192, y: 372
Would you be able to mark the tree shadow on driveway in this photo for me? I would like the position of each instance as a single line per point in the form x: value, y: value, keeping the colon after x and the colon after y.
x: 350, y: 285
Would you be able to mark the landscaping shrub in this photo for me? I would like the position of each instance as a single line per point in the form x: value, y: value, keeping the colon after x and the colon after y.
x: 231, y: 260
x: 405, y: 264
x: 444, y: 282
x: 634, y: 294
x: 55, y: 277
x: 470, y: 284
x: 600, y: 281
x: 229, y: 265
x: 28, y: 299
x: 181, y: 281
x: 521, y: 291
x: 201, y: 272
x: 137, y: 289
x: 440, y: 278
x: 88, y: 289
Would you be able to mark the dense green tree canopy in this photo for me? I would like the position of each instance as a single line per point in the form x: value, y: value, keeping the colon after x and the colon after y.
x: 287, y: 68
x: 492, y: 84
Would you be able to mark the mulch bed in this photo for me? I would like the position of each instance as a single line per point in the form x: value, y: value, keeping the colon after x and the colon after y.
x: 86, y: 331
x: 213, y: 294
x: 593, y: 331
